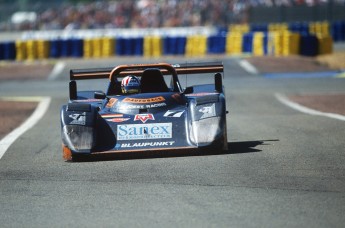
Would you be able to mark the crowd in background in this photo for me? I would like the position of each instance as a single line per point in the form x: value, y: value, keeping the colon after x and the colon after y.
x: 149, y: 13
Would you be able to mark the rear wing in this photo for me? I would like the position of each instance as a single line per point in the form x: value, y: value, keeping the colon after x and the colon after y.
x: 138, y: 69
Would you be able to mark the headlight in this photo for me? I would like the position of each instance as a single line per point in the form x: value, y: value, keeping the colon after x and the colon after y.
x: 205, y: 130
x: 79, y: 137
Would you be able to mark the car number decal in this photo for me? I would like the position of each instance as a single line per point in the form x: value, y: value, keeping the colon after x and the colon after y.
x: 208, y: 111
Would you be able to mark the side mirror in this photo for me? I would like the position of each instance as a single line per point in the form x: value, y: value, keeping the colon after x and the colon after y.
x: 188, y: 90
x: 99, y: 95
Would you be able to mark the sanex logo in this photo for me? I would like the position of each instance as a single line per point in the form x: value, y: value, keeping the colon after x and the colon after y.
x: 144, y: 131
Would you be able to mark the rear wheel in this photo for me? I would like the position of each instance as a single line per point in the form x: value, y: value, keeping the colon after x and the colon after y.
x: 66, y: 153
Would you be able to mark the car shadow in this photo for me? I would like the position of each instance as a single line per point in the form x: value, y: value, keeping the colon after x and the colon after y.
x: 248, y: 146
x: 233, y: 148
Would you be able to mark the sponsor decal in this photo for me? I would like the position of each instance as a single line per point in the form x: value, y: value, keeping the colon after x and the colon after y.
x: 111, y: 102
x: 144, y: 117
x: 88, y: 100
x: 144, y: 131
x: 174, y: 113
x: 199, y: 94
x: 78, y: 118
x: 146, y: 144
x: 144, y: 100
x: 118, y: 120
x: 111, y: 115
x: 208, y: 111
x: 158, y: 105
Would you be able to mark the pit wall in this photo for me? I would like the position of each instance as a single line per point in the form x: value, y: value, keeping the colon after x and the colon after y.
x: 307, y: 39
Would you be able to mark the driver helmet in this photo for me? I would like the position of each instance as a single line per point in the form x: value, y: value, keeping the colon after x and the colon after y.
x: 130, y: 84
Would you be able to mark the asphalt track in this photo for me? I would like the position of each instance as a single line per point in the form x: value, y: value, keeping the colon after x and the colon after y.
x: 284, y: 168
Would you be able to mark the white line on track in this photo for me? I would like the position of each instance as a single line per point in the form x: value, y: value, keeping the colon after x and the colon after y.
x: 248, y: 67
x: 7, y: 141
x: 58, y: 68
x: 283, y: 99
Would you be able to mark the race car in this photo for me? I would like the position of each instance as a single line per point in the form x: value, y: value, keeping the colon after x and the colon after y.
x: 162, y: 116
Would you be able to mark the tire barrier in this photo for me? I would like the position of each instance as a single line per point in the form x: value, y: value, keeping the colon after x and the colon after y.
x: 308, y: 45
x: 278, y: 39
x: 8, y: 51
x: 260, y: 43
x: 153, y: 46
x: 283, y: 43
x: 174, y: 45
x: 338, y: 31
x: 247, y: 43
x: 129, y: 46
x: 216, y: 44
x: 20, y: 50
x: 325, y: 45
x: 196, y: 46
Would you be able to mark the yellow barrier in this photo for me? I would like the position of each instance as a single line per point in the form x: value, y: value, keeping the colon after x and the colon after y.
x: 278, y: 27
x: 290, y: 43
x: 258, y: 44
x: 239, y: 28
x: 274, y: 43
x: 96, y: 47
x: 234, y: 43
x: 325, y: 45
x: 283, y: 43
x: 31, y: 49
x: 87, y: 48
x: 152, y: 46
x: 42, y: 49
x: 320, y: 29
x: 157, y: 46
x: 20, y: 50
x: 108, y: 46
x: 147, y: 46
x: 196, y: 45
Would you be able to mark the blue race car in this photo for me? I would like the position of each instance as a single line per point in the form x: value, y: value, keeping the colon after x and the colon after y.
x: 158, y: 118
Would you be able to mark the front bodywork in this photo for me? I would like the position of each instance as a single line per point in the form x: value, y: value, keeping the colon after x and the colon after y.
x: 194, y: 118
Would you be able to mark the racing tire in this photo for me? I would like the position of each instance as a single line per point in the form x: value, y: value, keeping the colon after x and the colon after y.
x: 66, y: 153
